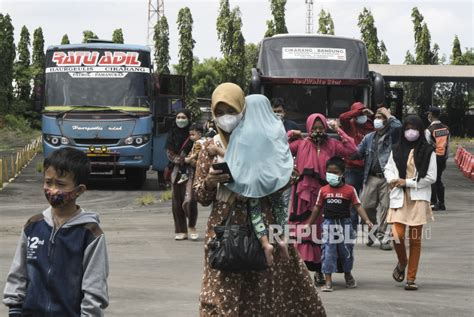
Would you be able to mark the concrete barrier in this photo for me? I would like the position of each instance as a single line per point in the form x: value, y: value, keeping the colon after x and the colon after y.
x: 11, y: 166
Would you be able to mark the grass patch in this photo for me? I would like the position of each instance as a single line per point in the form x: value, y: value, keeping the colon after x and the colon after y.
x: 464, y: 142
x: 16, y: 139
x: 166, y: 195
x: 39, y: 167
x: 146, y: 200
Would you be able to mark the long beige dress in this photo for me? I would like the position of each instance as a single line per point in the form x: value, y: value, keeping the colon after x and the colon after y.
x: 286, y: 289
x: 413, y: 212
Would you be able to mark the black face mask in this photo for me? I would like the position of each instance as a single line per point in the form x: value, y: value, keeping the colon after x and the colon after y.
x: 318, y: 137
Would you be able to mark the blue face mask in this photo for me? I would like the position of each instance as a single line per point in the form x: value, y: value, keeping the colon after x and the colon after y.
x: 333, y: 179
x: 361, y: 119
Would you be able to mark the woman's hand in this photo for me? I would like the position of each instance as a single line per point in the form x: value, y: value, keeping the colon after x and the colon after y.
x: 397, y: 183
x: 215, y: 177
x: 369, y: 224
x: 334, y: 125
x: 214, y: 150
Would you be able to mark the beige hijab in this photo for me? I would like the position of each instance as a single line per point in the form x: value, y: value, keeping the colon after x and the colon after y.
x: 232, y: 95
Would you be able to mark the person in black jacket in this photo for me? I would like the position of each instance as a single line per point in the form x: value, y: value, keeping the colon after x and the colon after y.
x: 60, y: 266
x: 278, y: 105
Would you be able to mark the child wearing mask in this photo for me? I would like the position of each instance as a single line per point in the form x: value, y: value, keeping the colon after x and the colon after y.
x: 60, y: 266
x: 335, y: 201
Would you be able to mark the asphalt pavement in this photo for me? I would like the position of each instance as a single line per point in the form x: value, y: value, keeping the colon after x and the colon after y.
x: 153, y: 275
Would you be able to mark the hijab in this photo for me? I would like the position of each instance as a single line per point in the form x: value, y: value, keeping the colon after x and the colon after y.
x: 422, y: 149
x: 177, y: 135
x: 232, y: 95
x: 258, y: 153
x: 308, y: 158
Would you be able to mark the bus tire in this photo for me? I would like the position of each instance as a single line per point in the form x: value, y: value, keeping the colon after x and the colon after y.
x: 136, y: 177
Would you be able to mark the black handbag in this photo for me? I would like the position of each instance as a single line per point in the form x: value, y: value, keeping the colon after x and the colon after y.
x: 236, y: 248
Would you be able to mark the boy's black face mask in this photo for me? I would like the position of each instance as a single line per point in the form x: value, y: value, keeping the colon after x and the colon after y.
x: 60, y: 198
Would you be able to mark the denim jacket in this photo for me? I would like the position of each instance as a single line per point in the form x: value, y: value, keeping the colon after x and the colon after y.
x: 390, y: 137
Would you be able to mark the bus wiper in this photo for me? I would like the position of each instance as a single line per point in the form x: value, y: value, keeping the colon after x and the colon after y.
x: 106, y: 108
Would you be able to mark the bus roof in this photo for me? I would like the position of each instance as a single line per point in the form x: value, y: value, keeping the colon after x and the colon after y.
x: 109, y: 46
x: 313, y: 36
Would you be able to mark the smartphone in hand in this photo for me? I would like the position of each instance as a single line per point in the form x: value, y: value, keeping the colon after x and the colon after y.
x: 224, y: 168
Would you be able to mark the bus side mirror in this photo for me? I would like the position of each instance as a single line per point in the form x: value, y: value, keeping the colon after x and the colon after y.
x: 379, y: 88
x: 255, y: 84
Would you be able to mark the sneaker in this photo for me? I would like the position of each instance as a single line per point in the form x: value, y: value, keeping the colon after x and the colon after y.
x: 438, y: 207
x: 386, y: 246
x: 370, y: 242
x: 350, y: 281
x: 193, y: 235
x: 183, y: 178
x: 181, y: 236
x: 327, y: 288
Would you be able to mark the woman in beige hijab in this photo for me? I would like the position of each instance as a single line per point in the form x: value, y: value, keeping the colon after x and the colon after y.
x: 284, y: 289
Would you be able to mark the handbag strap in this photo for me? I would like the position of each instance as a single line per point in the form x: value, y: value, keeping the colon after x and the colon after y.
x: 183, y: 145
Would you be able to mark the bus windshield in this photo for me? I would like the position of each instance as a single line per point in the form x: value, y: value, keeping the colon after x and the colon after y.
x: 301, y: 101
x: 133, y: 90
x: 90, y: 75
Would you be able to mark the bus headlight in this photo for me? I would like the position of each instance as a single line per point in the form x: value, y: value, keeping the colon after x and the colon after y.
x: 129, y: 141
x: 139, y: 140
x: 53, y: 139
x: 64, y: 141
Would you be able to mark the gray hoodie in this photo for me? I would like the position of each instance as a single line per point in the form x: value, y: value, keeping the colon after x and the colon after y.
x: 59, y: 272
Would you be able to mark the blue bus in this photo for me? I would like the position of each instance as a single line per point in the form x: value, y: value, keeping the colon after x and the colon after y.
x: 104, y: 99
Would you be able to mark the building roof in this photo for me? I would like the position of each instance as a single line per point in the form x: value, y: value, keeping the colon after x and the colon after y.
x: 437, y: 73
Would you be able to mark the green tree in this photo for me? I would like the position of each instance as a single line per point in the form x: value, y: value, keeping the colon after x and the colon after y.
x: 22, y: 67
x: 376, y: 51
x: 325, y: 22
x: 7, y: 57
x: 251, y: 59
x: 205, y: 77
x: 88, y: 35
x: 186, y: 60
x: 38, y: 56
x: 162, y: 43
x: 229, y: 33
x: 278, y: 24
x: 457, y: 101
x: 224, y: 34
x: 117, y: 36
x: 65, y: 40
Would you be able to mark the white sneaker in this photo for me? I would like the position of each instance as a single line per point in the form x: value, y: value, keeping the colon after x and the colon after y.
x: 181, y: 236
x: 193, y: 234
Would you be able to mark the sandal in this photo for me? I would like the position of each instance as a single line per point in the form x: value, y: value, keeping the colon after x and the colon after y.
x: 398, y: 274
x: 411, y: 286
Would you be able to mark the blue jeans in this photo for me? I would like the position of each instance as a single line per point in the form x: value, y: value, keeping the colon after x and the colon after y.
x: 355, y: 178
x: 338, y: 245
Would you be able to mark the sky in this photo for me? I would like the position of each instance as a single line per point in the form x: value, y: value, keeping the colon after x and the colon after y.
x: 445, y: 19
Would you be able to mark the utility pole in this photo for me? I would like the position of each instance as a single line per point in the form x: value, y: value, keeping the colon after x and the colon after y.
x: 156, y: 9
x: 309, y: 17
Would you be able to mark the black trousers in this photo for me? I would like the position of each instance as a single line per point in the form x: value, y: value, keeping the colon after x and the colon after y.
x: 437, y: 189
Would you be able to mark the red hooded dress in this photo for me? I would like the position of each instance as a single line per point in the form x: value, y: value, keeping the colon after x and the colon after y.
x: 311, y: 164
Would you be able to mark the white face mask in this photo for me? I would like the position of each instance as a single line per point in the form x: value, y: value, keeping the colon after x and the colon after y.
x: 228, y: 122
x: 280, y: 116
x: 181, y: 123
x: 378, y: 124
x: 361, y: 119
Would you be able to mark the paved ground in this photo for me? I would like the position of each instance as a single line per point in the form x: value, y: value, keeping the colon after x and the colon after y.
x: 152, y: 275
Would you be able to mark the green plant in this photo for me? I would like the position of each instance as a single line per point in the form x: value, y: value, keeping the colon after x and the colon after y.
x: 39, y: 167
x: 147, y: 199
x: 166, y: 195
x: 17, y: 123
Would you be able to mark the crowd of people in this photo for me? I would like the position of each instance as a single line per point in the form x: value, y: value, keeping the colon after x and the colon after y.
x: 250, y: 162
